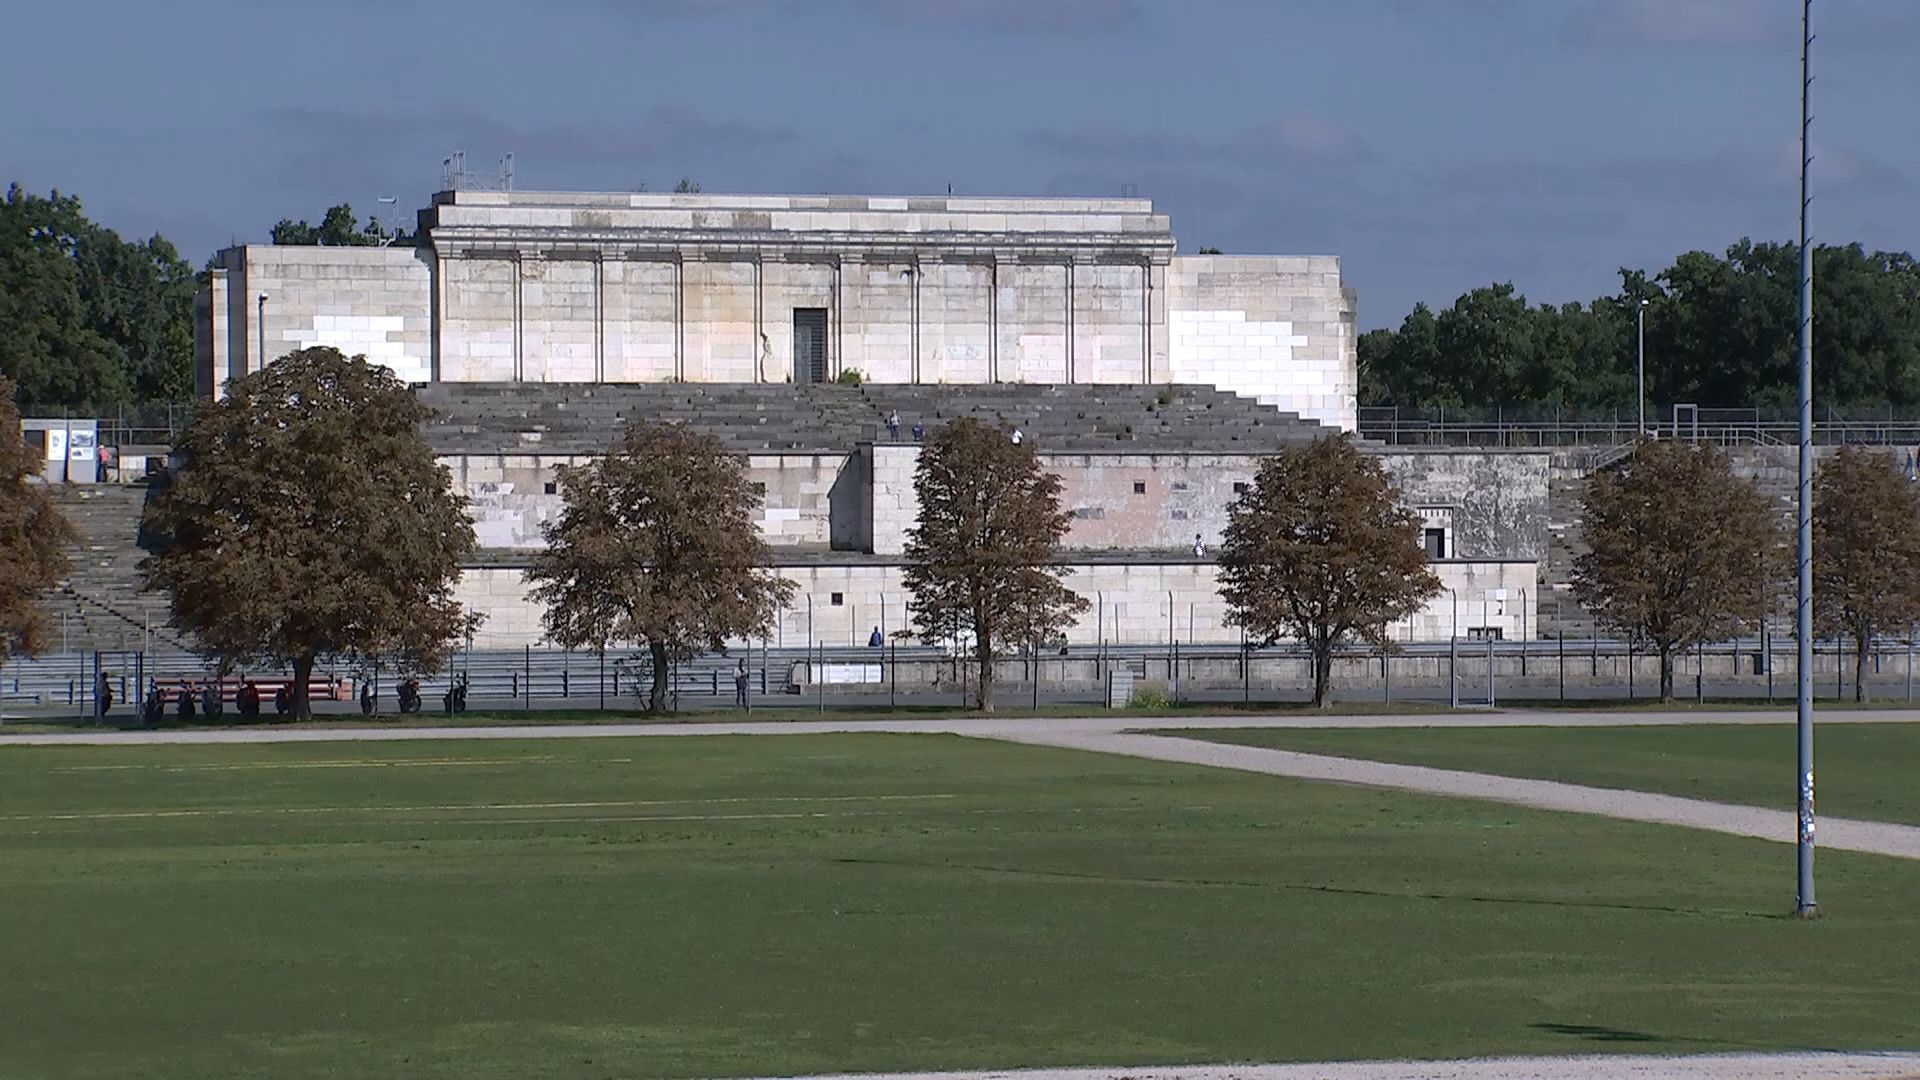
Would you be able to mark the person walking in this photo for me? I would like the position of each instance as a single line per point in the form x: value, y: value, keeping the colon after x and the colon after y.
x: 102, y: 695
x: 740, y: 688
x: 893, y: 425
x: 874, y: 640
x: 1199, y: 547
x: 185, y: 706
x: 919, y: 433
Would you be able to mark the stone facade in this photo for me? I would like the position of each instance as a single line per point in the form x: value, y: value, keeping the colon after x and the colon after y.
x: 588, y: 288
x: 1136, y: 603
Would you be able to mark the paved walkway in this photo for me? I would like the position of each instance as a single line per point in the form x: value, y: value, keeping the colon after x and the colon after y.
x: 1122, y: 735
x: 1596, y: 1067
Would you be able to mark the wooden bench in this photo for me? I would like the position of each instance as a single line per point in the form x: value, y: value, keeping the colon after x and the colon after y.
x: 318, y: 689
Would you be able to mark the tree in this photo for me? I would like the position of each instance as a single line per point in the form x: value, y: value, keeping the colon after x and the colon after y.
x: 981, y: 554
x: 1866, y: 551
x: 687, y: 185
x: 657, y: 544
x: 33, y: 539
x: 339, y: 227
x: 1680, y: 551
x: 87, y: 320
x: 309, y: 518
x: 1320, y: 550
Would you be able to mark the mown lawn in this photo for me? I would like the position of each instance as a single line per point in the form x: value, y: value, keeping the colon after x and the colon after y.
x: 742, y: 906
x: 1861, y: 770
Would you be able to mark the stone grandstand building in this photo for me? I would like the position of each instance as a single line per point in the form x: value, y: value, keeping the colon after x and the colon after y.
x: 537, y: 323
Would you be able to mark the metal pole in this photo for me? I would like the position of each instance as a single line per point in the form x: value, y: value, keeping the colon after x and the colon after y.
x: 1453, y: 675
x: 528, y: 668
x: 1909, y: 665
x: 1640, y: 394
x: 1804, y: 903
x: 1562, y: 639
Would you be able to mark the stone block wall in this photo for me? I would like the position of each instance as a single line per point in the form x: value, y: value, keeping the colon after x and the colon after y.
x: 894, y: 504
x: 1276, y: 328
x: 810, y: 500
x: 372, y: 302
x: 1132, y: 603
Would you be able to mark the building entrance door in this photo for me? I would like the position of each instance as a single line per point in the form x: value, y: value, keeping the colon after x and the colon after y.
x: 810, y: 345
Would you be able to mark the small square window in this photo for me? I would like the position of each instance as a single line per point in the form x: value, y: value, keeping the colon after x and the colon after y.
x: 1239, y: 488
x: 1179, y: 485
x: 1139, y: 487
x: 837, y: 599
x: 551, y: 488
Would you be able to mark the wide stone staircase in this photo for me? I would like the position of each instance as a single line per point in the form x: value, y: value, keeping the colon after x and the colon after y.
x: 574, y: 418
x: 101, y: 606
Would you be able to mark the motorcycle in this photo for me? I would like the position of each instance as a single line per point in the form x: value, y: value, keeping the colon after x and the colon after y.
x: 409, y: 694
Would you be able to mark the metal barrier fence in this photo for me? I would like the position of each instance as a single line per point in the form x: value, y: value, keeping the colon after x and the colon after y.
x: 1462, y: 672
x: 1566, y: 428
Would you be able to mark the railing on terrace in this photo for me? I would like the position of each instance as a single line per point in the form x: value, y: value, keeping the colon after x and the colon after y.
x: 1550, y: 427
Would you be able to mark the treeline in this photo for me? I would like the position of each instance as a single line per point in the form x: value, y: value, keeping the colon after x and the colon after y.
x: 1720, y: 331
x: 90, y: 321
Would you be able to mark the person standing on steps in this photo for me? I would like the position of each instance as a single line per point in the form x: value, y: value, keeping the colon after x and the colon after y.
x: 919, y: 433
x: 1017, y: 437
x: 1199, y: 547
x: 893, y: 425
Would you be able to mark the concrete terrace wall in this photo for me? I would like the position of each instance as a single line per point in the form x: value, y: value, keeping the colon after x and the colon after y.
x: 375, y: 302
x: 1131, y: 602
x: 810, y: 501
x: 1278, y: 329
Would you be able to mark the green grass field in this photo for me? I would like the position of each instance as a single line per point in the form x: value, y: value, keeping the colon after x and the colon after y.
x: 735, y: 906
x: 1862, y: 770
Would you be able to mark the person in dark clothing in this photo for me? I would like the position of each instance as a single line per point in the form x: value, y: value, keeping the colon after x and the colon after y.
x: 366, y: 698
x: 154, y: 709
x: 282, y: 700
x: 248, y: 699
x: 874, y: 640
x: 210, y: 704
x: 740, y: 679
x: 919, y: 433
x: 185, y: 707
x: 102, y: 695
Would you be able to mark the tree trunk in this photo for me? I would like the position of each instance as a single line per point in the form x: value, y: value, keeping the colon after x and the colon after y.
x: 302, y: 675
x: 1322, y: 673
x: 1861, y: 643
x: 657, y: 700
x: 1666, y: 674
x: 983, y: 640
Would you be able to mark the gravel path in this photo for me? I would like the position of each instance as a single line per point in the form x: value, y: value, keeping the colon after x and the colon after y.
x: 1607, y: 1067
x: 1876, y: 837
x: 1121, y: 735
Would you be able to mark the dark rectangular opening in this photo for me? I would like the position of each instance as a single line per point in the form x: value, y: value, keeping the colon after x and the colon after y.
x: 837, y: 599
x: 1435, y: 541
x: 810, y: 345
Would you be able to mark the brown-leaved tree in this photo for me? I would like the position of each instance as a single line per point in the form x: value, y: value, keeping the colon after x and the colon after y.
x: 309, y: 518
x: 981, y: 556
x: 1681, y: 552
x: 657, y: 544
x: 33, y: 539
x: 1320, y: 550
x: 1866, y: 551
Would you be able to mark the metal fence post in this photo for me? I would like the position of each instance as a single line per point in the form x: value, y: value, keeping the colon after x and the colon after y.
x: 1562, y: 639
x: 1453, y: 672
x: 603, y: 677
x: 1699, y: 675
x: 529, y: 671
x: 1490, y: 658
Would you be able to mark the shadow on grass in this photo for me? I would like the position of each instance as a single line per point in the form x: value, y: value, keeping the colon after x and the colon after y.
x: 1330, y: 890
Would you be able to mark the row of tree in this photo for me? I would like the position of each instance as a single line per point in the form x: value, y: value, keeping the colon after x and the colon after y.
x: 311, y: 519
x: 1720, y: 331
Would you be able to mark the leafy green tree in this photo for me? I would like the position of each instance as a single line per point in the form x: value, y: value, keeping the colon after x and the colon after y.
x: 87, y: 320
x: 1680, y: 551
x: 33, y: 539
x: 1721, y: 330
x: 1866, y: 551
x: 1320, y: 550
x: 309, y: 518
x: 981, y: 555
x: 658, y: 544
x: 340, y: 227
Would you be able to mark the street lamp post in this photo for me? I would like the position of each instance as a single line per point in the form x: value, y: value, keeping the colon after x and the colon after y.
x: 1804, y: 904
x: 260, y: 329
x: 1640, y: 383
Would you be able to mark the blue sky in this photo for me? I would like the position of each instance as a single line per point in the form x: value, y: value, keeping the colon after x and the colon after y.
x: 1433, y: 144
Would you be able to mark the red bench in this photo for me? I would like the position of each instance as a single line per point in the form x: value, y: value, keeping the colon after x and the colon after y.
x: 319, y: 688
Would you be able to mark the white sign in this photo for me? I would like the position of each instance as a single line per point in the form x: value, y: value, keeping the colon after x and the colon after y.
x: 80, y: 446
x: 56, y: 444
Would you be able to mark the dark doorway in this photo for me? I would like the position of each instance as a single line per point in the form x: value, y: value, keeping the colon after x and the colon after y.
x: 810, y: 345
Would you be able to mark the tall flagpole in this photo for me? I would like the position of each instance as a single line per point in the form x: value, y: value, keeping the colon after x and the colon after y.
x: 1804, y: 904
